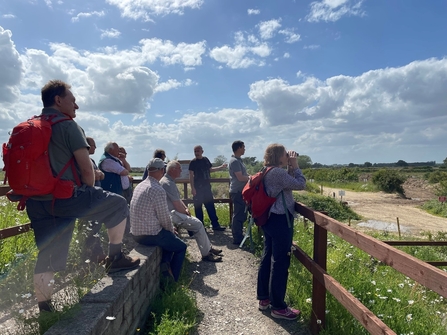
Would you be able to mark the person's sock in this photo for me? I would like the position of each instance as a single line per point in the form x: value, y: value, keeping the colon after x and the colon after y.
x: 45, y: 306
x: 114, y: 250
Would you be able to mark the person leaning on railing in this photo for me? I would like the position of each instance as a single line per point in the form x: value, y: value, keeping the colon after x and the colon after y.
x: 278, y: 231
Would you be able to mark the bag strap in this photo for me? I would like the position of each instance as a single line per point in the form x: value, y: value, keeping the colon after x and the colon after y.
x: 286, y: 210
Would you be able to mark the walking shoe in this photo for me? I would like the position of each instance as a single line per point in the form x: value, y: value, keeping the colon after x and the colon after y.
x: 218, y: 228
x: 212, y: 258
x: 286, y: 313
x: 264, y: 304
x: 216, y: 251
x: 121, y: 262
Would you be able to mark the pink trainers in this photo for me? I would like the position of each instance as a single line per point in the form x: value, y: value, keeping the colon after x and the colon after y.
x: 264, y: 304
x: 286, y: 314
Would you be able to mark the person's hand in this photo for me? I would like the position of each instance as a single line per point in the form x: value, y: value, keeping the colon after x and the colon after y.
x: 224, y: 166
x: 293, y: 155
x: 187, y: 212
x: 193, y: 191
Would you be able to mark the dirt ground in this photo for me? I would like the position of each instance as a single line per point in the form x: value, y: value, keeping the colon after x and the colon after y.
x: 382, y: 208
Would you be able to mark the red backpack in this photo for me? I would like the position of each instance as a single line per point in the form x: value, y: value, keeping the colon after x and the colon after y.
x: 27, y: 163
x: 256, y: 198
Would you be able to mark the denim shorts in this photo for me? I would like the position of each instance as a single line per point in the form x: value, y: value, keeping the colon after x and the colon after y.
x: 53, y: 222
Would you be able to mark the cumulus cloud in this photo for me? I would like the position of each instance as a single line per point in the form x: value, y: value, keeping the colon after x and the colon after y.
x: 247, y: 51
x: 86, y: 15
x: 334, y: 10
x: 110, y: 33
x: 11, y: 68
x: 8, y: 16
x: 173, y: 84
x: 267, y: 29
x: 400, y: 107
x: 253, y: 11
x: 144, y: 9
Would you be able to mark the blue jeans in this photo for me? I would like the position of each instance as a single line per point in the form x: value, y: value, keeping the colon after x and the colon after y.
x: 174, y: 249
x: 204, y: 196
x: 239, y: 216
x: 274, y: 268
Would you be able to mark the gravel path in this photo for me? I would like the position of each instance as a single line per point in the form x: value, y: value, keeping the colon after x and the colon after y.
x: 226, y: 293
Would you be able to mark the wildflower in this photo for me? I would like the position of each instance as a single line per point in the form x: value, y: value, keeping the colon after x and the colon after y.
x: 110, y: 318
x: 348, y: 255
x: 87, y: 261
x: 373, y: 282
x: 309, y: 300
x: 401, y: 285
x: 26, y: 295
x: 318, y: 322
x: 389, y: 291
x: 396, y: 299
x: 409, y: 317
x: 410, y: 302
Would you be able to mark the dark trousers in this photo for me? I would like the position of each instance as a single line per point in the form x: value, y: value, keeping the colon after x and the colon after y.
x: 274, y: 268
x: 239, y: 216
x: 174, y: 249
x: 204, y: 196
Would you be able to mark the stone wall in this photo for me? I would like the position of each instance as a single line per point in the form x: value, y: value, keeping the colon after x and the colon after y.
x: 119, y: 303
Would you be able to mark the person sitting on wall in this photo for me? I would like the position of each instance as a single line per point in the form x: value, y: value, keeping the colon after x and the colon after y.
x: 181, y: 217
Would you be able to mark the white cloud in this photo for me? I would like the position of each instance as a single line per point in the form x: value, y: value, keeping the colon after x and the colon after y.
x: 245, y: 53
x: 311, y: 47
x: 286, y: 55
x: 334, y: 10
x: 173, y: 84
x: 86, y: 15
x: 267, y: 29
x: 11, y: 68
x: 8, y: 16
x: 291, y: 36
x: 189, y: 55
x: 144, y: 9
x: 110, y: 33
x: 253, y: 11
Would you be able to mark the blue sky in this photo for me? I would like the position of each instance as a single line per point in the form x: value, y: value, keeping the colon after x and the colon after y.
x: 342, y: 81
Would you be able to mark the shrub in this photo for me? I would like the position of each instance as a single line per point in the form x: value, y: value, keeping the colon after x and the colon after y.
x: 389, y: 181
x: 437, y: 176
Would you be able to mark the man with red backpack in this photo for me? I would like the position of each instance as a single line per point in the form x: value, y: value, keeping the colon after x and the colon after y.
x: 52, y: 218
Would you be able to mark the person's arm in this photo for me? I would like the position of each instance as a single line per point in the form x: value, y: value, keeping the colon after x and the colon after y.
x: 180, y: 207
x: 219, y: 168
x: 85, y: 166
x: 99, y: 175
x: 109, y: 165
x: 191, y: 181
x: 240, y: 176
x: 122, y: 157
x: 162, y: 211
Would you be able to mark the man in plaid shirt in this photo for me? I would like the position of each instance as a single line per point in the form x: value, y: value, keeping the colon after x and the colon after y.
x: 150, y: 222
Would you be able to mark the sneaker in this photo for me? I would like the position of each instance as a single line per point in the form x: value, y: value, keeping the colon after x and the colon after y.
x: 121, y: 262
x: 212, y: 258
x: 216, y: 251
x: 286, y: 313
x: 219, y: 228
x: 264, y: 304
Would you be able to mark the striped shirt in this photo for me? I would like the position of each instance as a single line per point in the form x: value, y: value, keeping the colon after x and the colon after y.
x: 278, y: 180
x: 149, y: 212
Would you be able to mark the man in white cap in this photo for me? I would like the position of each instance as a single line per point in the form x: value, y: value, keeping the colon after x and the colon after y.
x: 150, y: 222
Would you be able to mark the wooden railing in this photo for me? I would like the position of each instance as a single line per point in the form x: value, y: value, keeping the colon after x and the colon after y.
x: 423, y: 273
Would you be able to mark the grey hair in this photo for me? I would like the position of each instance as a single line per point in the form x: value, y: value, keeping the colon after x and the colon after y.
x: 171, y: 165
x: 109, y: 146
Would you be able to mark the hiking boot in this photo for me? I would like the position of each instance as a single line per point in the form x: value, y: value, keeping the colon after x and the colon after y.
x: 286, y: 313
x: 212, y: 258
x: 218, y: 228
x: 121, y: 262
x: 264, y: 304
x: 216, y: 251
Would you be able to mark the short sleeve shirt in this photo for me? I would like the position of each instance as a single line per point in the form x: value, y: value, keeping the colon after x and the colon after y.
x: 236, y: 165
x: 172, y: 192
x: 66, y: 138
x: 201, y: 169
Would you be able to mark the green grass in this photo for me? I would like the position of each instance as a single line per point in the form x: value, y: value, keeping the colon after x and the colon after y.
x: 352, y: 186
x: 436, y: 208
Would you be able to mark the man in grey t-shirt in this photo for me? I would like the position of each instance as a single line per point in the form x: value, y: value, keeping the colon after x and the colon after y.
x: 238, y: 179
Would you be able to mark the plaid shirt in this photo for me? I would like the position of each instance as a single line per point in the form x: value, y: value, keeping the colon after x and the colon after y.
x: 149, y: 212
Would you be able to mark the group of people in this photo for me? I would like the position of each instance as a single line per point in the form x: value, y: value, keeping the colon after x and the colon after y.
x: 154, y: 210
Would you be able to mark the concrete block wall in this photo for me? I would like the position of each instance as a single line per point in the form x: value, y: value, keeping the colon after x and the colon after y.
x: 123, y: 296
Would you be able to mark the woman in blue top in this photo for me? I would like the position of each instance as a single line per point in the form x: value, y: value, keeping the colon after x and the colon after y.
x: 278, y: 231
